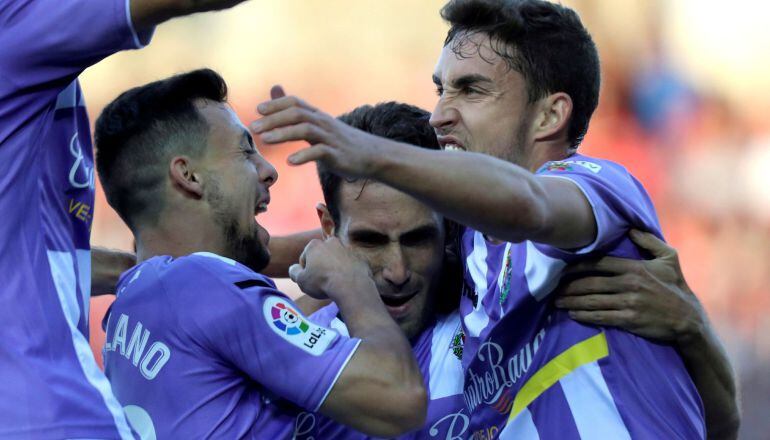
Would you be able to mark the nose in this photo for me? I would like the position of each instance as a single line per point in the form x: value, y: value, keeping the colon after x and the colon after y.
x: 444, y: 116
x: 396, y: 270
x: 267, y: 172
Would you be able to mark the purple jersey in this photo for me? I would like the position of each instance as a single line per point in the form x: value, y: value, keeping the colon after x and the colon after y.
x: 203, y: 347
x: 52, y: 385
x: 530, y: 371
x: 438, y: 350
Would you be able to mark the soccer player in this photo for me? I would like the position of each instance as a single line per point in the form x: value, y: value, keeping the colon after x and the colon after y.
x: 198, y: 343
x: 518, y: 82
x: 403, y: 241
x: 52, y: 385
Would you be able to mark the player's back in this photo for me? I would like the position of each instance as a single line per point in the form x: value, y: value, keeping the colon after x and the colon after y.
x: 201, y: 347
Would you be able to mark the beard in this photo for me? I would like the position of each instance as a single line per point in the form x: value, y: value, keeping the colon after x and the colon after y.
x: 245, y: 248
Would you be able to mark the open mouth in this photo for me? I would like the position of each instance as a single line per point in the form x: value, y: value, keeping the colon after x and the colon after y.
x: 397, y: 301
x: 453, y: 147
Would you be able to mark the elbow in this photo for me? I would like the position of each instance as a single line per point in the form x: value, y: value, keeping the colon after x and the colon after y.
x: 409, y: 416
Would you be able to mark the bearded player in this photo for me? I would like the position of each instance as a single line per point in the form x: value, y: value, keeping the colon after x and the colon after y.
x: 198, y: 344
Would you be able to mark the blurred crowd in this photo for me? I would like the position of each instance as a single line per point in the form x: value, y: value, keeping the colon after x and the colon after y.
x: 685, y: 91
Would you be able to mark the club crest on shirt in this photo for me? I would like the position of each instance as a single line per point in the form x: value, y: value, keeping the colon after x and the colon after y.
x: 567, y: 165
x: 457, y: 343
x: 289, y: 324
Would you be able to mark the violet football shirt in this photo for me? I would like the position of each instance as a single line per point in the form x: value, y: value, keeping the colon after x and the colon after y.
x: 438, y: 351
x: 533, y: 373
x: 52, y: 385
x: 203, y: 347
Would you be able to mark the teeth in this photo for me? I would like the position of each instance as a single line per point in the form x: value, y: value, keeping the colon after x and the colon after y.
x: 453, y: 147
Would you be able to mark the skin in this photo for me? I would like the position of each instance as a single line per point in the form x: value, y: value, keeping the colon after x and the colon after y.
x: 210, y: 204
x: 483, y: 110
x: 401, y: 240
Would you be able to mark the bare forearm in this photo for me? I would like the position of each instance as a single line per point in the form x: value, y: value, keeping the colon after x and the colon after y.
x: 285, y: 251
x: 383, y: 366
x: 146, y: 14
x: 710, y: 369
x: 106, y: 267
x: 488, y: 194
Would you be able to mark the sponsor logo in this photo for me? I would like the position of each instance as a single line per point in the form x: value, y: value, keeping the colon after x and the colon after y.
x: 495, y: 373
x: 486, y: 433
x: 456, y: 424
x: 558, y: 166
x: 290, y: 325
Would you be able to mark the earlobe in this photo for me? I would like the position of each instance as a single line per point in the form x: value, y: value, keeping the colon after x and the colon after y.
x: 325, y: 217
x: 184, y: 178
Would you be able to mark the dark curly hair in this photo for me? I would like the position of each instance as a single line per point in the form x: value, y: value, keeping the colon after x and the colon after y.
x: 545, y: 42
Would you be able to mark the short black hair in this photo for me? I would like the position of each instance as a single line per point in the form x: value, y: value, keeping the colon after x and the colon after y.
x: 545, y: 42
x: 393, y: 120
x: 141, y: 130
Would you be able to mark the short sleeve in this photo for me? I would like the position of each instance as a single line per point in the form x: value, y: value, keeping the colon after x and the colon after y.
x: 618, y: 200
x: 46, y: 43
x: 261, y: 332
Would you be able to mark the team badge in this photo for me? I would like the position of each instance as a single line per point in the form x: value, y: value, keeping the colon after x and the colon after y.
x: 458, y: 341
x: 286, y: 321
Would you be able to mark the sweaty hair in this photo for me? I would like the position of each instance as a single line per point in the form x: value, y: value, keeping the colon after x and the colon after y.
x: 139, y: 132
x: 392, y: 120
x: 545, y: 42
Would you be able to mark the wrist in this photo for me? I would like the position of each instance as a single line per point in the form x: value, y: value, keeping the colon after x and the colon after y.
x: 693, y: 327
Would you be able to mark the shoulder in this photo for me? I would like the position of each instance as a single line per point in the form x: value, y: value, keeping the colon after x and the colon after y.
x: 209, y: 267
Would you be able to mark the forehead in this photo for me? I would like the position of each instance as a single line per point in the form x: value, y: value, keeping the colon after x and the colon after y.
x: 470, y: 54
x: 222, y: 121
x: 382, y: 208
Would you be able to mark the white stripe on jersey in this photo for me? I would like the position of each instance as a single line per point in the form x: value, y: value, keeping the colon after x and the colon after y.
x: 591, y: 403
x: 65, y: 280
x: 476, y: 262
x: 521, y: 428
x: 445, y: 370
x: 541, y: 272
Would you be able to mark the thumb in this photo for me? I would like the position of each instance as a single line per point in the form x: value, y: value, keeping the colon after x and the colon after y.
x: 651, y: 243
x: 295, y: 271
x: 277, y: 92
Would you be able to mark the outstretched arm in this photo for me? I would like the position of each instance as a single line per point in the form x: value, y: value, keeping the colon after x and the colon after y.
x: 542, y: 209
x: 652, y: 299
x: 146, y: 14
x: 106, y: 267
x: 285, y: 251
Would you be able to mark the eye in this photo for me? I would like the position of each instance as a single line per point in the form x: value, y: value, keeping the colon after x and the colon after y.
x: 439, y: 91
x: 471, y: 91
x: 368, y: 240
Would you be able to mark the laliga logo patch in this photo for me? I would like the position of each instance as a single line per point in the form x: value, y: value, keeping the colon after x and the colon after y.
x: 566, y: 165
x: 288, y: 320
x: 290, y: 325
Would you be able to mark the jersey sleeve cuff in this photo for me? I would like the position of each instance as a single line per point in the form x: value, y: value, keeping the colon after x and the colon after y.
x: 139, y: 39
x: 336, y: 378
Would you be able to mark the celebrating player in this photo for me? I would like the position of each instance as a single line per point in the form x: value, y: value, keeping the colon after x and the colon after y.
x: 518, y: 82
x: 198, y: 343
x: 52, y: 385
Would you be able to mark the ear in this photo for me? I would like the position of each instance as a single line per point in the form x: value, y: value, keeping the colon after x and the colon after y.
x: 184, y: 178
x: 327, y: 223
x: 553, y: 116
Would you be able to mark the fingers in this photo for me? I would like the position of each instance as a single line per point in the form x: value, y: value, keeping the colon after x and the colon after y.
x: 652, y: 244
x: 281, y: 103
x: 609, y: 265
x: 595, y: 284
x: 277, y: 92
x: 616, y: 318
x: 620, y: 301
x: 287, y: 117
x: 295, y: 272
x: 316, y: 152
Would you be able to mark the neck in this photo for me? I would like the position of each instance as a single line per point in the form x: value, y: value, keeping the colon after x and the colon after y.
x: 177, y: 239
x: 546, y: 152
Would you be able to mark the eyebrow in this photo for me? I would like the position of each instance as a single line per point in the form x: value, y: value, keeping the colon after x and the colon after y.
x: 425, y: 231
x: 465, y: 80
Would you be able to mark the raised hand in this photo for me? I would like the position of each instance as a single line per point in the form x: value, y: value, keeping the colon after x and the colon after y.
x: 337, y: 146
x: 647, y: 297
x: 327, y: 268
